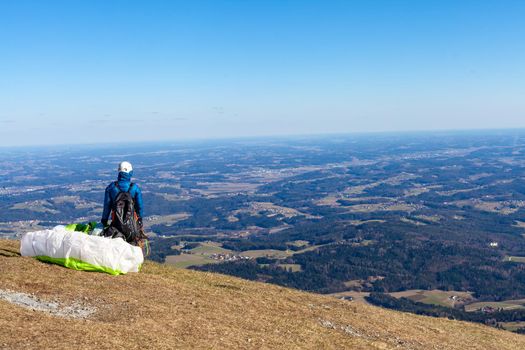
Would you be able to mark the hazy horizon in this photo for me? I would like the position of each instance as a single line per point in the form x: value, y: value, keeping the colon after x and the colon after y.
x: 129, y: 71
x: 266, y: 138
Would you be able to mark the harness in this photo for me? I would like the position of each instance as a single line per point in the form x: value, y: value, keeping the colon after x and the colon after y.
x: 140, y: 239
x: 114, y: 199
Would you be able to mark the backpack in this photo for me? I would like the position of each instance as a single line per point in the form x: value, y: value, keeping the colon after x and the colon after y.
x: 124, y: 221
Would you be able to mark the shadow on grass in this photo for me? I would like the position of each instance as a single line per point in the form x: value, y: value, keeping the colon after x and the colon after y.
x: 9, y: 253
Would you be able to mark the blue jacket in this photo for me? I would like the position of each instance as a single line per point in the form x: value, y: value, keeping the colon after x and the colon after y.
x: 124, y: 180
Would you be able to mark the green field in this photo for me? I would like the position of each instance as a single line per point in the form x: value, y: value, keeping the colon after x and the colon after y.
x: 276, y: 254
x: 358, y: 297
x: 293, y: 267
x: 197, y: 256
x: 308, y: 249
x: 208, y: 248
x: 269, y: 253
x: 181, y: 236
x: 520, y: 224
x: 187, y: 260
x: 512, y: 326
x: 299, y: 243
x: 201, y: 255
x: 505, y: 305
x: 443, y: 298
x: 519, y: 259
x: 434, y: 297
x: 361, y: 222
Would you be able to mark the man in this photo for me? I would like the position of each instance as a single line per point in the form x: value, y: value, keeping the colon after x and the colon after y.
x: 114, y: 189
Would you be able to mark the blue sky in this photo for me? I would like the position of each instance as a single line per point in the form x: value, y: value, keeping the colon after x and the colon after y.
x: 106, y: 71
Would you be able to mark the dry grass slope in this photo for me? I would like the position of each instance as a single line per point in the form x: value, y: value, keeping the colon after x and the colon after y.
x: 167, y: 308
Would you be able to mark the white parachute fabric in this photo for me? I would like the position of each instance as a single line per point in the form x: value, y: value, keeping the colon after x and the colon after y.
x: 81, y: 251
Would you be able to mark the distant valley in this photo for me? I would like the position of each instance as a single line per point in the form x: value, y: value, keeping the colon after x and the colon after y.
x: 429, y: 223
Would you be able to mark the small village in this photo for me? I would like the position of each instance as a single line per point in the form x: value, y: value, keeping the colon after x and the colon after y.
x: 229, y: 257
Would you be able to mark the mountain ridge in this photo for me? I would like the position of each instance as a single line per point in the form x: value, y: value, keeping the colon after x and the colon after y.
x: 165, y: 308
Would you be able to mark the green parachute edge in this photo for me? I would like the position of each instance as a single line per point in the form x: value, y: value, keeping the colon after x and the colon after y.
x: 77, y: 264
x: 85, y: 228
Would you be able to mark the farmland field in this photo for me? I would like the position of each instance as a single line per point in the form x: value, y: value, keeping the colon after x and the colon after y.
x: 291, y: 267
x: 208, y: 248
x: 505, y: 305
x: 519, y: 259
x: 270, y: 253
x: 186, y: 260
x: 435, y: 297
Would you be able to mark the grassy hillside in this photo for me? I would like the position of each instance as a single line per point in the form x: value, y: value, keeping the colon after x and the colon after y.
x: 166, y: 308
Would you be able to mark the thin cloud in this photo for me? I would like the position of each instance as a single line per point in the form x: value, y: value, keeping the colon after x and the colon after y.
x: 169, y: 120
x: 218, y: 109
x: 137, y: 120
x: 99, y: 121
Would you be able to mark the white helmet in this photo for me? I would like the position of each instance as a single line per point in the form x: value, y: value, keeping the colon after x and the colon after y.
x: 125, y: 167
